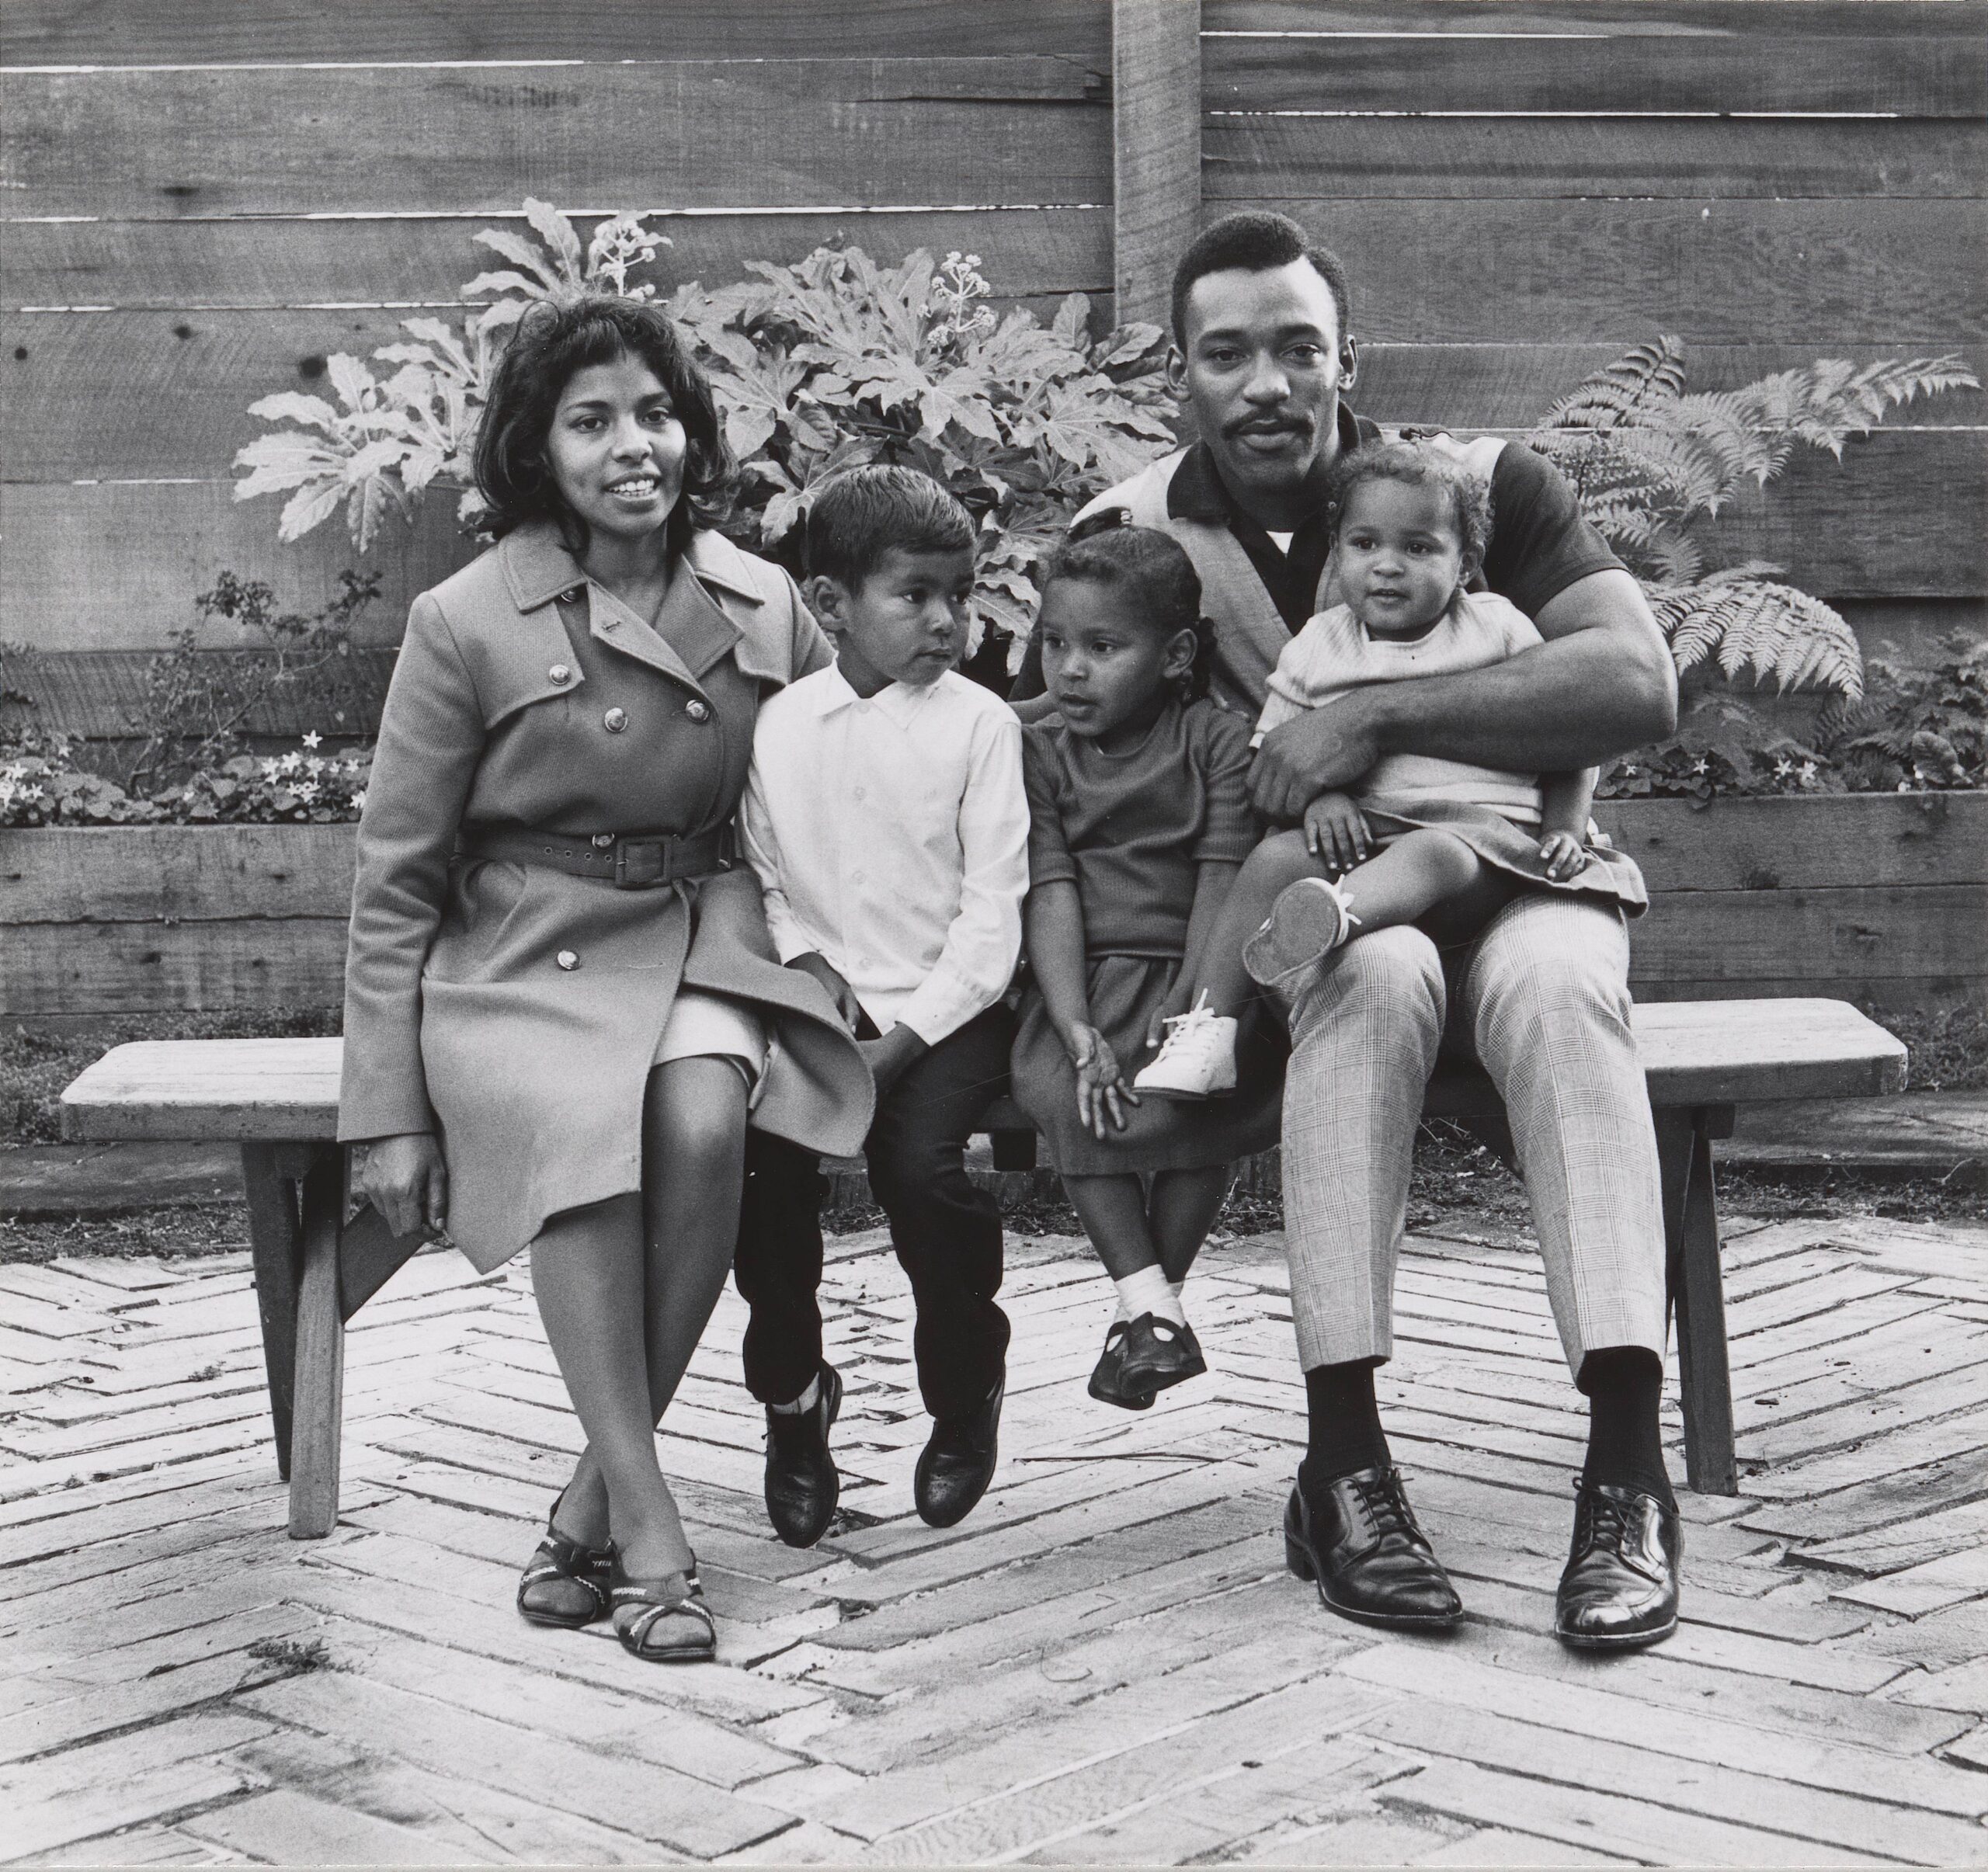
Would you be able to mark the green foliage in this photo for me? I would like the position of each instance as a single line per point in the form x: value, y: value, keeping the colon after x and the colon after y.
x: 821, y: 365
x: 1652, y: 465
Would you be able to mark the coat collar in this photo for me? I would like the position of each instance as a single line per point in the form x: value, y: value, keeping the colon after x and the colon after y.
x: 538, y: 568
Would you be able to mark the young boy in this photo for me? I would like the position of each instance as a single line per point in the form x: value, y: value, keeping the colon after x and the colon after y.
x: 886, y: 820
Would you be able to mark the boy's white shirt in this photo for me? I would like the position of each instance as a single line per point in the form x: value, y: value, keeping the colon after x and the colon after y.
x: 891, y: 835
x: 1332, y: 655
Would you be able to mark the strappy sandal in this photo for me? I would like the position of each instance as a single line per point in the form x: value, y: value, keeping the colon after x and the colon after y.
x: 671, y: 1594
x: 558, y: 1558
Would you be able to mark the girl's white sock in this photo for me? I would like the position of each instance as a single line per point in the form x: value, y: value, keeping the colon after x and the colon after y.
x: 1122, y: 1318
x: 1147, y: 1291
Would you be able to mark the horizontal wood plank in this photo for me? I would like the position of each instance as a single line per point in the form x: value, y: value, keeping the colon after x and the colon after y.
x: 136, y: 968
x: 1773, y: 67
x: 1882, y: 994
x: 1335, y: 156
x: 1827, y: 273
x: 1865, y: 841
x: 1654, y: 18
x: 721, y: 134
x: 106, y: 566
x: 139, y: 32
x: 422, y: 261
x: 185, y: 874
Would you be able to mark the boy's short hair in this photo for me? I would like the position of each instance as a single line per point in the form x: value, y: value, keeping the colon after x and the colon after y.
x: 858, y: 515
x: 1256, y: 241
x: 1417, y: 466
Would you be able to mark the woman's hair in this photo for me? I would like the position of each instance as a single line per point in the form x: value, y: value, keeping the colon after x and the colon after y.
x: 1151, y: 567
x: 1416, y: 466
x: 550, y: 345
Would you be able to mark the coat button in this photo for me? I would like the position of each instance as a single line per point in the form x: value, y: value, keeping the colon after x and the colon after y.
x: 615, y: 720
x: 567, y: 959
x: 696, y: 710
x: 559, y: 673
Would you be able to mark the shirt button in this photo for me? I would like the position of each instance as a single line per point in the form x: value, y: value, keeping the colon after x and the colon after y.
x: 615, y: 720
x: 567, y: 959
x: 696, y: 710
x: 859, y: 793
x: 559, y: 673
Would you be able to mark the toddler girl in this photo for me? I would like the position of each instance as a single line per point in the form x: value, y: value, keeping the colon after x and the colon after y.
x: 1140, y: 818
x: 1439, y: 842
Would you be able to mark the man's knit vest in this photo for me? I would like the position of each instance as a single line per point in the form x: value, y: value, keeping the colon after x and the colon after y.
x: 1251, y: 632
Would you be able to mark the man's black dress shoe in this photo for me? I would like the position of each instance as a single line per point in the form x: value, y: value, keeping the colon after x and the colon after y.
x: 1619, y: 1590
x: 802, y: 1486
x: 959, y: 1463
x: 1369, y: 1558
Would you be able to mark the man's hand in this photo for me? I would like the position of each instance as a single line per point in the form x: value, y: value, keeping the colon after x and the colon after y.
x: 1101, y: 1086
x: 1335, y: 831
x: 887, y: 1058
x: 826, y: 972
x: 1323, y: 749
x: 1563, y: 854
x: 406, y: 1180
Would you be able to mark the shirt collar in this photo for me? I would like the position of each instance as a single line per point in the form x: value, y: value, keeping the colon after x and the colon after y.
x: 898, y: 702
x: 539, y: 568
x: 1197, y: 492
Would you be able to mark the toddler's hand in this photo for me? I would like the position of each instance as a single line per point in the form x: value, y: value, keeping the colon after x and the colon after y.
x: 1102, y: 1092
x: 1563, y: 855
x: 1336, y: 831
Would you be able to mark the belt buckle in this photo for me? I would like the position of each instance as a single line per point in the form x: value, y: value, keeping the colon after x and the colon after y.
x: 648, y: 875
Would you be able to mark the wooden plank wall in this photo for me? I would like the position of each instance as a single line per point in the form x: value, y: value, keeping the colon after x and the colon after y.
x: 202, y: 200
x: 1522, y: 191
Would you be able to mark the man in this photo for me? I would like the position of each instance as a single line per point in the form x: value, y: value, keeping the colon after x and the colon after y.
x: 1262, y: 350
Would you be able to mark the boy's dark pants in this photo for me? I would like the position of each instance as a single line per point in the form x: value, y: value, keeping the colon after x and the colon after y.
x: 947, y: 1232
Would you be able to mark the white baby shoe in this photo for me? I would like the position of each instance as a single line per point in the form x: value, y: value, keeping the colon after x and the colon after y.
x: 1310, y: 919
x: 1198, y: 1058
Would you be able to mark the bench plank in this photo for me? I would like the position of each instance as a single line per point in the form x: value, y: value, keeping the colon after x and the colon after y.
x: 1694, y: 1053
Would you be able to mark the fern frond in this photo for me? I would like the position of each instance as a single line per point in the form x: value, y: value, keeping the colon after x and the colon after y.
x: 1754, y: 628
x: 1641, y: 379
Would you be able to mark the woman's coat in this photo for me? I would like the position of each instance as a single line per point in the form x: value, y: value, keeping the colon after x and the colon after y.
x: 516, y: 1009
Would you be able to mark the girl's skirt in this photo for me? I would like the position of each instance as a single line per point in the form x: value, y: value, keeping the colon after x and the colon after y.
x: 1160, y: 1134
x: 1609, y: 876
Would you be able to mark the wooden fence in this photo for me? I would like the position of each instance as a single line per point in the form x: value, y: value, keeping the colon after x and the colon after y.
x: 203, y: 200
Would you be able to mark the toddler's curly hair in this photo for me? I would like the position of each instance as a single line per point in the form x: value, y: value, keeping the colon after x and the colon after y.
x: 1416, y: 465
x: 1108, y: 549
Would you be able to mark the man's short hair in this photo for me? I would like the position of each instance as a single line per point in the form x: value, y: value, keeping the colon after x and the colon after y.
x: 858, y: 515
x: 1255, y: 242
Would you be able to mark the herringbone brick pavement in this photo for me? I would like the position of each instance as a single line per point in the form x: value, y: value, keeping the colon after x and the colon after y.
x: 1107, y: 1664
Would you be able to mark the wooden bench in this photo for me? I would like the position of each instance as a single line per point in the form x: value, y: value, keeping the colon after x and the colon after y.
x: 314, y: 1269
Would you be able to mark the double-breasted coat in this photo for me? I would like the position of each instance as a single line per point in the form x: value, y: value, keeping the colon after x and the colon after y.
x: 515, y: 1010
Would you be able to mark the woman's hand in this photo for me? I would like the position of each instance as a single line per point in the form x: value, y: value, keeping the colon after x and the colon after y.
x: 1102, y: 1091
x: 406, y: 1180
x: 1563, y: 854
x: 830, y: 978
x: 1335, y: 831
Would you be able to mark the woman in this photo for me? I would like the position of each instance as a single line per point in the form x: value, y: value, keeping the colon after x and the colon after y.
x: 561, y: 1000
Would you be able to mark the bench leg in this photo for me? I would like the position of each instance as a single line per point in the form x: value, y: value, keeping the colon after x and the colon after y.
x: 1697, y: 1297
x: 320, y: 1366
x: 1013, y: 1150
x: 275, y: 1235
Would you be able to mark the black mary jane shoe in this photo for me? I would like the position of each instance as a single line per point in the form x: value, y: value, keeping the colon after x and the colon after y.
x: 1620, y: 1588
x: 1108, y: 1383
x: 802, y: 1484
x: 1159, y: 1354
x: 668, y: 1595
x: 1366, y: 1555
x: 558, y: 1558
x: 957, y: 1462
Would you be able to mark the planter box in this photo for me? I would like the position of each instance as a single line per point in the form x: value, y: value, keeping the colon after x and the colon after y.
x: 1876, y: 898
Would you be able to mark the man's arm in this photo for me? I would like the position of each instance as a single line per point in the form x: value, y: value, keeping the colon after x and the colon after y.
x: 1602, y: 682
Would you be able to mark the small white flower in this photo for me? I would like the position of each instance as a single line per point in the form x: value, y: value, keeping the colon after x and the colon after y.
x: 269, y: 769
x: 1783, y: 768
x: 1702, y: 765
x: 306, y: 791
x: 1807, y: 772
x: 314, y: 739
x: 358, y: 797
x: 290, y: 763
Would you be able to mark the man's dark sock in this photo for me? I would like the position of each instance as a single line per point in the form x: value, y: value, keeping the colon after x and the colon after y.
x: 1345, y: 1423
x: 1623, y: 1384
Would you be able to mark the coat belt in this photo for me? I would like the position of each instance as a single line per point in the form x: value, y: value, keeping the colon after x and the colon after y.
x: 630, y: 861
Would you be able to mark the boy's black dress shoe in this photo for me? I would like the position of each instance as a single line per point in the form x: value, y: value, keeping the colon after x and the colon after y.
x: 802, y: 1486
x: 1619, y: 1590
x: 1368, y: 1557
x: 958, y: 1462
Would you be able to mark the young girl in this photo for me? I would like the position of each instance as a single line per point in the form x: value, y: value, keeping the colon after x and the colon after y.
x: 1419, y: 840
x: 561, y: 1001
x: 1139, y: 817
